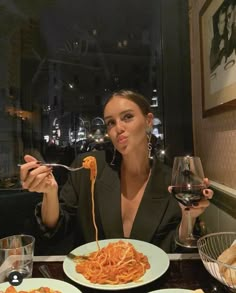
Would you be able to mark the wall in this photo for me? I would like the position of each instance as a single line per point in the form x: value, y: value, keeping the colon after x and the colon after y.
x: 217, y: 132
x: 214, y: 136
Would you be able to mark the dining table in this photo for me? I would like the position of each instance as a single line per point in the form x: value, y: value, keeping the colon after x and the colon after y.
x: 186, y: 271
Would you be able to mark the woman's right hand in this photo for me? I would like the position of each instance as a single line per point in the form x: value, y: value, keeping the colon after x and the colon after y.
x: 37, y: 178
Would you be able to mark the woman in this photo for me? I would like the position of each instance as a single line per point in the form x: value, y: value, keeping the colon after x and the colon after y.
x: 131, y: 196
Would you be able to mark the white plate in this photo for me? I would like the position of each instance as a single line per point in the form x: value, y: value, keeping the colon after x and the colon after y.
x: 172, y: 291
x: 158, y: 259
x: 34, y: 283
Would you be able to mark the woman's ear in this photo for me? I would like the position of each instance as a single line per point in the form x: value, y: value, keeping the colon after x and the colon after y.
x: 149, y: 120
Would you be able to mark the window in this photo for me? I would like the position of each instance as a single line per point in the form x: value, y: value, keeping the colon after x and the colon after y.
x: 59, y: 64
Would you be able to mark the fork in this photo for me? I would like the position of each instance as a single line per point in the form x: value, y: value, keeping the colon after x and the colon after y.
x: 58, y: 165
x: 61, y: 165
x: 73, y: 257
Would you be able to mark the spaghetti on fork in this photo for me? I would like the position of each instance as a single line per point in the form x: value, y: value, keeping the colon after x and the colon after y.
x: 91, y: 164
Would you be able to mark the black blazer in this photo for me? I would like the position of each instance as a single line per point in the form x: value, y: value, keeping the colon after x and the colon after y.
x: 157, y: 218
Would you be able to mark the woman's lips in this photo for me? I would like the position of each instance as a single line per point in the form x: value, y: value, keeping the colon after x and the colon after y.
x: 121, y: 139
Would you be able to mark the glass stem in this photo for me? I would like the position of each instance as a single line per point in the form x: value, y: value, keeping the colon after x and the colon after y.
x: 190, y: 226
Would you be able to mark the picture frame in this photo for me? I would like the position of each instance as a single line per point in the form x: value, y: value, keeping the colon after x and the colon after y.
x: 218, y: 56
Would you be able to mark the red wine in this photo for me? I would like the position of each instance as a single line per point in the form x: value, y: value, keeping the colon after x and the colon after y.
x: 188, y: 194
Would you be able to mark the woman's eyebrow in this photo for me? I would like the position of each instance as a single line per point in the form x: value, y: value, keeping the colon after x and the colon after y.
x: 107, y: 117
x: 125, y: 111
x: 121, y: 113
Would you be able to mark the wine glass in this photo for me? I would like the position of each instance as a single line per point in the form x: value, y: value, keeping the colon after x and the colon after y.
x: 187, y: 184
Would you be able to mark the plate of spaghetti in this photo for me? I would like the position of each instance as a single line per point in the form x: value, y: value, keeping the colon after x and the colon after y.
x: 37, y: 285
x: 116, y: 264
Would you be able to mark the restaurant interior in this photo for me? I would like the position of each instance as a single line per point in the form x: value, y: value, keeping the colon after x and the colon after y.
x: 61, y: 59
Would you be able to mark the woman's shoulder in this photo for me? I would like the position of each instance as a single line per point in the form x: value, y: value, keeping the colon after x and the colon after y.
x: 161, y: 168
x: 159, y: 163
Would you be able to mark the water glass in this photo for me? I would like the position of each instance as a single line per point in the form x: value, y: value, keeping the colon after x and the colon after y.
x: 16, y: 254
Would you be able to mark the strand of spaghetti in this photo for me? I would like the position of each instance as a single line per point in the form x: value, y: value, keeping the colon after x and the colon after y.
x: 93, y: 214
x: 90, y: 163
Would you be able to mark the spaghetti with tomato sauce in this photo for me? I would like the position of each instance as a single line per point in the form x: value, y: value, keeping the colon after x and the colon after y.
x: 118, y: 262
x: 12, y: 289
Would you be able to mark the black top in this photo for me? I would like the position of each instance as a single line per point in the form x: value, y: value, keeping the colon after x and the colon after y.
x: 157, y: 218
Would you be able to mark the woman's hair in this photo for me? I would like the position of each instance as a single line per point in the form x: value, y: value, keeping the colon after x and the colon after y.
x: 137, y: 98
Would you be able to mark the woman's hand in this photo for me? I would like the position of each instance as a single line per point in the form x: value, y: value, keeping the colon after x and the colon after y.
x: 195, y: 211
x: 199, y: 207
x: 37, y: 178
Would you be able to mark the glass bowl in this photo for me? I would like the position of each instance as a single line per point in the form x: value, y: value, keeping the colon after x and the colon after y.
x: 210, y: 247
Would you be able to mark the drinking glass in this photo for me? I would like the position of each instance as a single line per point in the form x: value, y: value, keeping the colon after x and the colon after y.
x: 187, y: 187
x: 16, y: 255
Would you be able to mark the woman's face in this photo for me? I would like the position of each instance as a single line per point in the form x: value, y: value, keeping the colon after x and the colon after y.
x: 126, y: 125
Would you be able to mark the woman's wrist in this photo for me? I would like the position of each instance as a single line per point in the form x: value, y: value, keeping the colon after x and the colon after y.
x: 50, y: 208
x: 52, y: 192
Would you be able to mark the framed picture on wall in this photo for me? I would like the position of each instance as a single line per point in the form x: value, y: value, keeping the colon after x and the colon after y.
x: 217, y: 21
